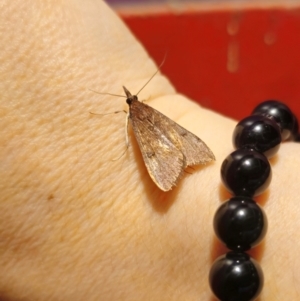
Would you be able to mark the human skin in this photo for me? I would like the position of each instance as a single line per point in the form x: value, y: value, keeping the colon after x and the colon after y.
x: 76, y: 224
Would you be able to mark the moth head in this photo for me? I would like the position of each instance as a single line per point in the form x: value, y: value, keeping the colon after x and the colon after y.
x: 130, y: 97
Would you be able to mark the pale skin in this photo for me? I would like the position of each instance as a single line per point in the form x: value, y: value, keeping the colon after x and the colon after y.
x: 76, y: 225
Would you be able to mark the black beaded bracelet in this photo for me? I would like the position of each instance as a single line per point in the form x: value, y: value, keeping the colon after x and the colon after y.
x: 240, y: 223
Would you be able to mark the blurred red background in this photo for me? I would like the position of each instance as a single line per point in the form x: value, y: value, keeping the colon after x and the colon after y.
x: 228, y: 61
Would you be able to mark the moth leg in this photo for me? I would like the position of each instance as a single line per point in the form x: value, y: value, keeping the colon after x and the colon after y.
x: 145, y: 100
x: 116, y: 112
x: 126, y: 131
x: 126, y: 136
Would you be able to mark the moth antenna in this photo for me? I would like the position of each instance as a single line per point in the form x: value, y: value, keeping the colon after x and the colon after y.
x: 152, y: 75
x: 104, y: 93
x: 109, y: 113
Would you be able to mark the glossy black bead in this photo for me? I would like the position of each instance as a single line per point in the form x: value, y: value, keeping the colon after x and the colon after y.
x: 280, y: 112
x: 295, y: 131
x: 240, y: 223
x: 236, y: 276
x: 246, y: 173
x: 259, y: 133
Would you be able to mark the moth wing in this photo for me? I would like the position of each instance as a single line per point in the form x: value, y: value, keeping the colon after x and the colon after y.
x: 193, y: 148
x: 163, y: 159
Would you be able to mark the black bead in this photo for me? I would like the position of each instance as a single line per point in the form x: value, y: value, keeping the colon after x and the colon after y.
x: 259, y: 133
x: 246, y: 172
x: 240, y: 223
x: 295, y: 130
x: 280, y: 112
x: 236, y: 276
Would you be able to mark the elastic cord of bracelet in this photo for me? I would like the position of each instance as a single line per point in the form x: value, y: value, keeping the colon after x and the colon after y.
x: 240, y: 223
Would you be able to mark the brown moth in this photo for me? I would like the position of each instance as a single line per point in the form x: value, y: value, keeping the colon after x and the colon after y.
x: 167, y: 148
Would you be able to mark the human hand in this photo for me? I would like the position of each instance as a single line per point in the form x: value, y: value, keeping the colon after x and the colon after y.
x: 76, y: 225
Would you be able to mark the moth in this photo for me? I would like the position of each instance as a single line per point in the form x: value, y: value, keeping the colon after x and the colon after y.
x: 167, y: 148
